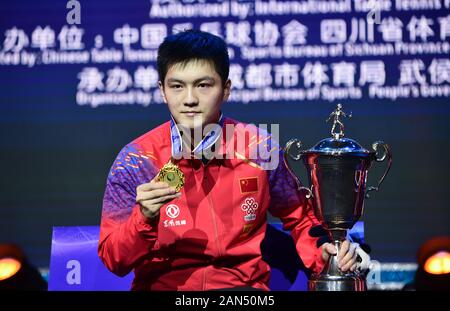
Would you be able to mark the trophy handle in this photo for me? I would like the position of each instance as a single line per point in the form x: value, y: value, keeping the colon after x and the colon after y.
x: 289, y: 144
x: 287, y: 152
x: 386, y: 153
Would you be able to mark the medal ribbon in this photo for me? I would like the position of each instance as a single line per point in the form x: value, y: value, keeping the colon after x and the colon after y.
x: 207, y: 142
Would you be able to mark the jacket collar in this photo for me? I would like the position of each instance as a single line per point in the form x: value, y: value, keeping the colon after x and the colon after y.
x: 204, y: 146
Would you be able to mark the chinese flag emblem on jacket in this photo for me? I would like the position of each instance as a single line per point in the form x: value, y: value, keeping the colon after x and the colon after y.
x: 248, y: 185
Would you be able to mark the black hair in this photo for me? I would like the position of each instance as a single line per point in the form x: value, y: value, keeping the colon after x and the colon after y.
x: 190, y: 45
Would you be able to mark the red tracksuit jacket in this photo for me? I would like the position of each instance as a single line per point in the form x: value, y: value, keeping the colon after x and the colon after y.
x: 210, y: 237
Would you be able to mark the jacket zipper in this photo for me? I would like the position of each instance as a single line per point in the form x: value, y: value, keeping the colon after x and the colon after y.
x: 204, y: 279
x: 213, y: 216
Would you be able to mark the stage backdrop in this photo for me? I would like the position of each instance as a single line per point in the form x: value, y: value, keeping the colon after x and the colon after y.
x: 78, y: 81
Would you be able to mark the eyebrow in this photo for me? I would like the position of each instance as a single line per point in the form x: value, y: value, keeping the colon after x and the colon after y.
x: 209, y: 78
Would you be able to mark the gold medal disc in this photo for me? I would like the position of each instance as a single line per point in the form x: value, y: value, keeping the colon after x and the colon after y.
x: 172, y: 175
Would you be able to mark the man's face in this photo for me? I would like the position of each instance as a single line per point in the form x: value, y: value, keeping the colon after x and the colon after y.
x: 194, y: 93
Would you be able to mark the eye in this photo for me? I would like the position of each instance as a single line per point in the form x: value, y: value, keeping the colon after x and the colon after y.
x: 204, y: 85
x: 175, y: 86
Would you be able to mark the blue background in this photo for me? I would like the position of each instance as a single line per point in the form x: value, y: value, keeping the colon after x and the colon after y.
x: 55, y: 155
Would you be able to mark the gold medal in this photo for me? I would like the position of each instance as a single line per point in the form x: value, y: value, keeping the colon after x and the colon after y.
x: 172, y: 175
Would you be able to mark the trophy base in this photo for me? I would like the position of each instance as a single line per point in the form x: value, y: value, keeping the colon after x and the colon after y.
x: 351, y: 282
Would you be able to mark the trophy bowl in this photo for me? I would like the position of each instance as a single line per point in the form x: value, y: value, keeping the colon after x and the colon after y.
x: 337, y: 171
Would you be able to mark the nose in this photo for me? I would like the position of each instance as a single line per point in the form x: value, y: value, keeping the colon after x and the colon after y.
x: 191, y: 99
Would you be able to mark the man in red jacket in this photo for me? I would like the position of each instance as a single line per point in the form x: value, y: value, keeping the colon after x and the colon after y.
x: 205, y: 234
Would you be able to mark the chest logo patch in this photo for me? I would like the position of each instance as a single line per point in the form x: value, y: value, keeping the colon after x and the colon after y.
x: 249, y: 207
x: 172, y: 211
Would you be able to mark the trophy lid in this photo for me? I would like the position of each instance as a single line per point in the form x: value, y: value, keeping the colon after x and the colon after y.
x: 332, y: 146
x: 337, y: 144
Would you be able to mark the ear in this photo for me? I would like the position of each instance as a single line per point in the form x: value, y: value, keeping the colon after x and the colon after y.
x: 163, y: 94
x: 226, y: 90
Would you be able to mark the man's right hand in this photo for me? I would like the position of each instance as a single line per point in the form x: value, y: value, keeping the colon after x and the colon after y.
x: 151, y: 196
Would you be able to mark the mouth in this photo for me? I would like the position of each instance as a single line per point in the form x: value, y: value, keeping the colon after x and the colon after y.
x: 191, y: 113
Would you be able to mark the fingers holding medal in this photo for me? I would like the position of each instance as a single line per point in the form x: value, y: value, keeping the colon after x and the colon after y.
x: 162, y: 189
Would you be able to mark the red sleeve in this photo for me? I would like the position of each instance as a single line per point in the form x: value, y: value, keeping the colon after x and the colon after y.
x: 296, y: 214
x: 299, y: 220
x: 126, y: 235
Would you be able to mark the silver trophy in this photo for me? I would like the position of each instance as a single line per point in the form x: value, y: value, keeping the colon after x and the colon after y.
x: 337, y: 171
